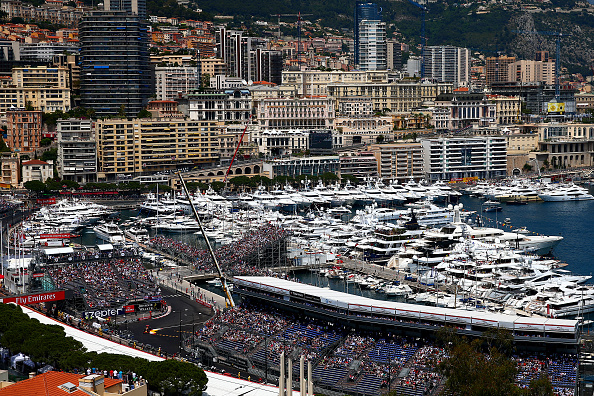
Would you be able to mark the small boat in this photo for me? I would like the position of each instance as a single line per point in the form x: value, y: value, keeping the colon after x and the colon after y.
x: 492, y: 206
x: 516, y: 202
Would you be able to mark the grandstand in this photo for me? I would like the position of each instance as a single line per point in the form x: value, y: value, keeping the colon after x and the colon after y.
x: 361, y: 311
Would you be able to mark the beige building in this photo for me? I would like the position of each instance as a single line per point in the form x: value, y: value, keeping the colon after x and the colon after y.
x: 584, y: 102
x: 399, y: 161
x: 363, y: 130
x: 46, y: 88
x: 213, y: 67
x: 10, y: 169
x: 304, y: 113
x: 229, y: 136
x: 531, y: 71
x: 315, y: 82
x: 37, y: 170
x: 151, y: 145
x: 521, y: 142
x: 565, y: 130
x: 400, y: 96
x: 508, y: 109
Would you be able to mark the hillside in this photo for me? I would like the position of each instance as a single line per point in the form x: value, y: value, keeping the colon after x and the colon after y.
x: 488, y: 27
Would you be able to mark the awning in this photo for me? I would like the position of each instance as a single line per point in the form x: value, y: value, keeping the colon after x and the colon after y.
x: 107, y: 246
x: 60, y: 250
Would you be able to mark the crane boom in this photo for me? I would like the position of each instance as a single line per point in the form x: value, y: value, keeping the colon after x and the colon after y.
x: 228, y: 298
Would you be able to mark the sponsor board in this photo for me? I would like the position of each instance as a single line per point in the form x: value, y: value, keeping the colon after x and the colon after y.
x: 104, y: 313
x: 35, y: 298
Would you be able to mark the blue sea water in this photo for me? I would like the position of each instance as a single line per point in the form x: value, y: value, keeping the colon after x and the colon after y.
x: 571, y: 220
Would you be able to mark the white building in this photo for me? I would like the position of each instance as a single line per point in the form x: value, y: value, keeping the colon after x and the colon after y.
x: 373, y: 47
x: 465, y: 109
x: 77, y: 151
x: 228, y: 106
x: 37, y: 170
x: 275, y: 142
x: 173, y: 82
x: 447, y: 158
x: 304, y: 113
x: 445, y: 63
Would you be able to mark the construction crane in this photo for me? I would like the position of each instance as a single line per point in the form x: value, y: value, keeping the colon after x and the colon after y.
x: 423, y: 38
x: 299, y: 19
x: 228, y: 298
x: 558, y: 36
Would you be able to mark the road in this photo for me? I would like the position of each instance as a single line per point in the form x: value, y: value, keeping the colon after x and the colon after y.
x: 186, y: 315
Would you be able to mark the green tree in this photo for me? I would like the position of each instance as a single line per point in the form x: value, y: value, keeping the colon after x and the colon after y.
x: 540, y: 387
x: 144, y: 113
x: 379, y: 139
x: 71, y: 184
x: 3, y: 147
x: 353, y: 179
x: 174, y: 378
x: 240, y: 181
x: 328, y: 177
x: 51, y: 154
x: 53, y: 185
x: 34, y: 185
x: 29, y: 106
x: 45, y: 142
x: 122, y: 111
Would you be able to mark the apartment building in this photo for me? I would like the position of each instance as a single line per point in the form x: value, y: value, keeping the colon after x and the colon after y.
x: 229, y: 137
x: 496, y: 69
x: 315, y: 82
x: 172, y: 82
x: 10, y: 169
x: 531, y: 71
x: 23, y: 130
x: 233, y: 105
x: 508, y: 109
x: 45, y: 88
x: 77, y: 151
x: 447, y: 64
x: 213, y: 67
x: 399, y: 161
x: 145, y: 146
x: 373, y: 47
x: 360, y: 165
x: 448, y: 158
x: 298, y: 113
x: 400, y: 96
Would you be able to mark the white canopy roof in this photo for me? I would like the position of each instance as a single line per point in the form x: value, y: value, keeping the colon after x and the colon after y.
x: 107, y: 246
x: 15, y: 263
x: 59, y: 250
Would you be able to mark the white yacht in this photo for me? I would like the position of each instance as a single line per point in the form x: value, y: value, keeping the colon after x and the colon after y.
x: 137, y: 234
x: 110, y: 233
x: 566, y: 193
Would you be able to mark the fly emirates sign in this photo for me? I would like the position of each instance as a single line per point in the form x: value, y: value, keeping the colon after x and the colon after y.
x: 35, y: 298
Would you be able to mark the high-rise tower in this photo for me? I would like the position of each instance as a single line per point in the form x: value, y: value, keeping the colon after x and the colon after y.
x: 115, y: 68
x: 368, y: 11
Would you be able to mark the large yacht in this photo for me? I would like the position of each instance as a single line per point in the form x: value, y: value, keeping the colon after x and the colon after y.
x: 566, y: 193
x: 110, y: 233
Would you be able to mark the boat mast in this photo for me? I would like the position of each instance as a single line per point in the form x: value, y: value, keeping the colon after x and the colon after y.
x: 228, y: 299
